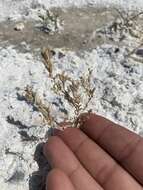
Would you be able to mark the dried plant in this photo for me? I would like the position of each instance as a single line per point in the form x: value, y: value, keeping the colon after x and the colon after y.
x: 128, y: 23
x: 125, y: 23
x: 74, y: 90
x: 86, y: 84
x: 47, y: 55
x: 127, y: 17
x: 33, y: 99
x: 49, y: 22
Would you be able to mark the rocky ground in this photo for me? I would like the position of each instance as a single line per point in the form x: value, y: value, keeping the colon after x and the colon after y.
x: 96, y: 51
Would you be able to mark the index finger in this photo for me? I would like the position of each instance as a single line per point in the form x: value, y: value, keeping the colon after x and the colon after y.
x: 123, y: 145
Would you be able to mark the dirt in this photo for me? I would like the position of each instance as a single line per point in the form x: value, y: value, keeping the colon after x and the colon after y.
x: 78, y: 32
x: 118, y: 86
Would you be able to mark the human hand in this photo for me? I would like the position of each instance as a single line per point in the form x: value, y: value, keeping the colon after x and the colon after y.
x: 100, y: 155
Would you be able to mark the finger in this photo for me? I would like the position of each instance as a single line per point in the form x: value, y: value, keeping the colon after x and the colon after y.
x: 125, y: 146
x: 100, y: 165
x: 57, y: 179
x: 60, y: 156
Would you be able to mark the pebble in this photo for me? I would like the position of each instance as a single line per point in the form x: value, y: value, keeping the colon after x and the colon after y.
x: 139, y: 52
x: 19, y: 26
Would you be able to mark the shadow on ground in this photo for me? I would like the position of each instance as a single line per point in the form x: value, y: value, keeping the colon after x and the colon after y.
x: 37, y: 180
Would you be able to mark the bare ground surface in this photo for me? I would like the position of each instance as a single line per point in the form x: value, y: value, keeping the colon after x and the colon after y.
x: 79, y: 27
x: 118, y: 83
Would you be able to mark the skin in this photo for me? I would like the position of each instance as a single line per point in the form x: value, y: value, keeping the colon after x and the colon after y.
x: 100, y: 155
